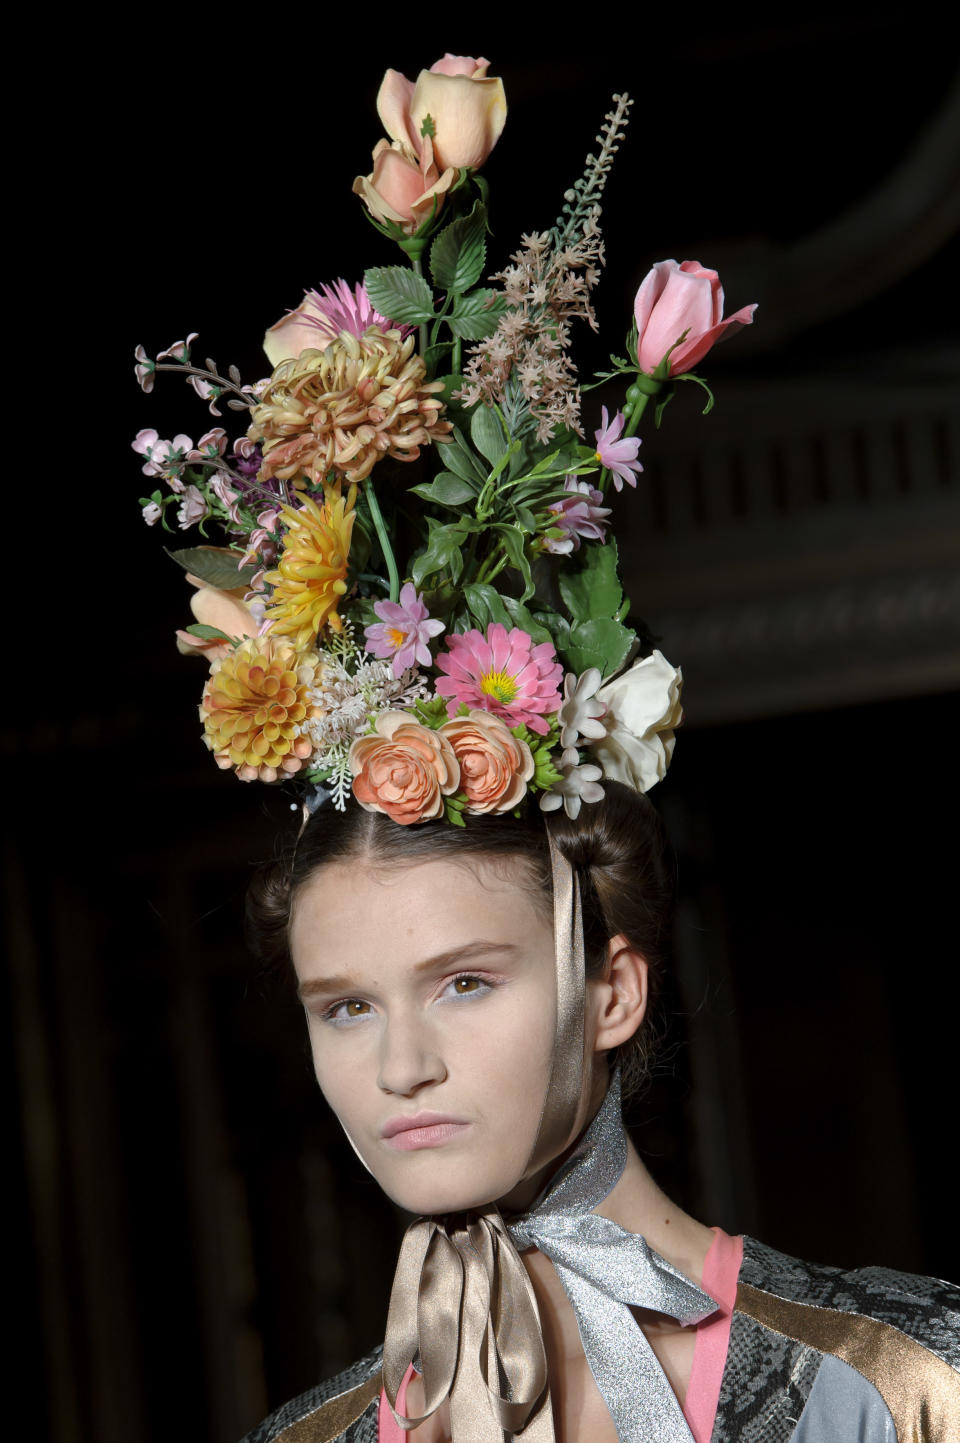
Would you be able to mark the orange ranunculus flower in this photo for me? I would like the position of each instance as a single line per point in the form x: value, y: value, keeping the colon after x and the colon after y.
x: 403, y: 769
x: 495, y: 766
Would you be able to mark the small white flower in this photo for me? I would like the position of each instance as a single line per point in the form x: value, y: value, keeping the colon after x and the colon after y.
x: 580, y: 713
x: 577, y: 784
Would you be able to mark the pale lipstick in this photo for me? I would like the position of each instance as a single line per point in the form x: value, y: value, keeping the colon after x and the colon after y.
x: 424, y: 1129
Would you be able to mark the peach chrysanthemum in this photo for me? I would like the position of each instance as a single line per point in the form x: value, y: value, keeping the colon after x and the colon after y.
x: 253, y: 708
x: 311, y: 573
x: 344, y: 408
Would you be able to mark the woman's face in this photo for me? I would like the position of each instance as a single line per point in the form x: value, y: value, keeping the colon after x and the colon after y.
x: 430, y: 1001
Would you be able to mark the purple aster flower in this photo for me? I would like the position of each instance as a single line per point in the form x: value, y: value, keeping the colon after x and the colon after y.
x: 403, y: 631
x: 619, y: 457
x: 581, y: 514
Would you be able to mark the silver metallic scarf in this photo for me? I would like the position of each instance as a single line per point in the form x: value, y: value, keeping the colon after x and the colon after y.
x: 462, y: 1303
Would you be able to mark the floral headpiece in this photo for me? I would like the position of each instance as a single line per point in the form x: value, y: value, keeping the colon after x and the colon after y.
x: 418, y: 596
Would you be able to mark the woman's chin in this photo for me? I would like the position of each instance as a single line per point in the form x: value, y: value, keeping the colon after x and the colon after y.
x: 437, y: 1195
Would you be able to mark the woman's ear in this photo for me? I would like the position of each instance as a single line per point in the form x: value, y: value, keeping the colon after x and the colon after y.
x: 619, y: 999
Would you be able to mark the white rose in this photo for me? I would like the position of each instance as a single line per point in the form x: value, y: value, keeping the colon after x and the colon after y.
x: 643, y: 707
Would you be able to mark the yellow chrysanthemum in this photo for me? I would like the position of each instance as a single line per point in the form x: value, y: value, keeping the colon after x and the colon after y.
x: 311, y: 574
x: 344, y: 408
x: 253, y: 706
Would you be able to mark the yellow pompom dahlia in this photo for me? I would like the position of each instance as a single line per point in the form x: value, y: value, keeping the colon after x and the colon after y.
x: 311, y: 573
x: 253, y: 707
x: 344, y: 408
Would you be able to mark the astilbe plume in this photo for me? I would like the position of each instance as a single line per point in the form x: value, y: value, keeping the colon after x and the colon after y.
x: 547, y: 286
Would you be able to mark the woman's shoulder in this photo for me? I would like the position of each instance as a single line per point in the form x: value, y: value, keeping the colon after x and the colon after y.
x: 341, y: 1410
x: 862, y: 1352
x: 926, y: 1310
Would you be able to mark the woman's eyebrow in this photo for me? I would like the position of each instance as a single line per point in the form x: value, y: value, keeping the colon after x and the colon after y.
x: 454, y: 956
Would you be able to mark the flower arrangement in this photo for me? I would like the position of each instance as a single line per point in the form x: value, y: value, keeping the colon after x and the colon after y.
x: 418, y: 601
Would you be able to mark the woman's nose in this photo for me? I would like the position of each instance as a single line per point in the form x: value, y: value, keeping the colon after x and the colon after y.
x: 409, y: 1057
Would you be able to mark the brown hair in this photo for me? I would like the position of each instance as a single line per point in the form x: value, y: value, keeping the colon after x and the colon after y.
x: 617, y: 848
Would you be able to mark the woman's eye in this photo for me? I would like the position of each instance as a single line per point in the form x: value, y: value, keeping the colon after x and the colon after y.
x: 466, y: 986
x: 348, y: 1010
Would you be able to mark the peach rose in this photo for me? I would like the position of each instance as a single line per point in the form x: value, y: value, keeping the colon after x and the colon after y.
x: 403, y: 769
x: 226, y: 610
x: 404, y: 184
x: 495, y: 766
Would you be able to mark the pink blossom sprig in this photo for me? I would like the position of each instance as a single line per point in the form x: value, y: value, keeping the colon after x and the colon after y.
x: 404, y: 630
x: 616, y: 455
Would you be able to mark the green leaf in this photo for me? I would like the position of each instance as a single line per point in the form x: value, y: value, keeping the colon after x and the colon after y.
x: 447, y: 490
x: 458, y: 254
x: 603, y: 643
x: 434, y: 356
x: 215, y: 566
x: 207, y: 633
x: 400, y: 294
x: 486, y: 604
x: 442, y: 552
x: 431, y: 713
x: 453, y: 808
x: 557, y: 626
x: 460, y: 457
x: 512, y: 539
x: 476, y: 315
x: 525, y: 518
x: 488, y: 435
x: 520, y: 616
x: 594, y: 589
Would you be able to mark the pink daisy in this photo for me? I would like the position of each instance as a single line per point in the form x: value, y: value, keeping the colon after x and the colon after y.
x: 403, y: 631
x: 619, y: 457
x: 502, y: 672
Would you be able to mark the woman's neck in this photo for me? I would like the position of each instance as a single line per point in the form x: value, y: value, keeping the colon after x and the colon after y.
x: 638, y: 1205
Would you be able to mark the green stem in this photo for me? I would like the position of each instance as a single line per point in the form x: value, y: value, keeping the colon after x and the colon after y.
x: 495, y: 570
x: 381, y: 530
x: 417, y: 266
x: 456, y: 360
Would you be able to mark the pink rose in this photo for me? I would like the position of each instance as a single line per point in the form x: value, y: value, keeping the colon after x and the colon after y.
x: 403, y: 769
x: 468, y: 109
x: 495, y: 766
x: 676, y: 298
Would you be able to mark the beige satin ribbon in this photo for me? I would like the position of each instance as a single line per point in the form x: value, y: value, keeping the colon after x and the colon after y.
x: 461, y: 1297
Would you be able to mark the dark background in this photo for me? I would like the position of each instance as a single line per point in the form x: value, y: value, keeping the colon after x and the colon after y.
x: 194, y: 1239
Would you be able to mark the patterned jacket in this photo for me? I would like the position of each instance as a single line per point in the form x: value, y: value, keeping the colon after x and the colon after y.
x: 816, y: 1355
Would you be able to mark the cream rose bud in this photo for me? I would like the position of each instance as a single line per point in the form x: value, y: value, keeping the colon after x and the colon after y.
x: 643, y: 708
x: 468, y: 115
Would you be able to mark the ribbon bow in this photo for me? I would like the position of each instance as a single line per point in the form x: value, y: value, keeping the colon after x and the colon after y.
x: 463, y: 1298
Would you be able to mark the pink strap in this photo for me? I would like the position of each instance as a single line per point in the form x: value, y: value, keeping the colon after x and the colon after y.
x: 721, y: 1269
x: 388, y: 1429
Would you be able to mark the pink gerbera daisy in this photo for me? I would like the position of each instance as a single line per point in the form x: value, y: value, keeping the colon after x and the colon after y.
x: 619, y: 457
x: 502, y: 672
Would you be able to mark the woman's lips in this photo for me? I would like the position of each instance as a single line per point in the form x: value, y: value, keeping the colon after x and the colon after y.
x: 426, y: 1129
